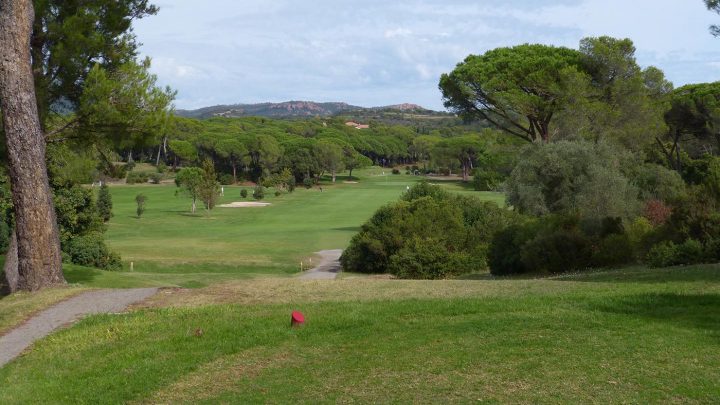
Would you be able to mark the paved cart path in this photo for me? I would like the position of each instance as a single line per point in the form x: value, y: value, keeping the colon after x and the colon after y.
x: 328, y: 268
x: 93, y: 302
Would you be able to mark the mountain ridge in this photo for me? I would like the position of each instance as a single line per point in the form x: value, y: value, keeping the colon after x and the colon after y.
x: 296, y: 109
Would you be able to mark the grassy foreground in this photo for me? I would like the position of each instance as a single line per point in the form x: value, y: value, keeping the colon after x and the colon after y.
x: 637, y: 336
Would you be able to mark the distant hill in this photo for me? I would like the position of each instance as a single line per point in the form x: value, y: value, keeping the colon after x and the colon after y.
x: 300, y: 109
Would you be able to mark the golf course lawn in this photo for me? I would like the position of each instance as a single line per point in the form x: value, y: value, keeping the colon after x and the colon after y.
x: 628, y: 336
x: 169, y: 246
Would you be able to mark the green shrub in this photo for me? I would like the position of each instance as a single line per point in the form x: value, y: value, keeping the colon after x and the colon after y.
x: 558, y: 251
x: 90, y: 250
x: 259, y: 192
x: 130, y: 165
x: 278, y: 193
x: 505, y: 252
x: 712, y: 250
x: 428, y: 259
x: 425, y: 189
x: 137, y: 177
x: 395, y: 171
x: 308, y: 182
x: 662, y: 254
x: 156, y: 178
x: 573, y: 177
x: 613, y: 251
x: 161, y: 168
x: 486, y: 180
x: 104, y: 203
x: 226, y: 179
x: 243, y: 193
x: 140, y: 200
x: 689, y: 252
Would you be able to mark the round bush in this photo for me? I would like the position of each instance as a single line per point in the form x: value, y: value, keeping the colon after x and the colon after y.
x: 227, y: 179
x: 277, y: 193
x: 243, y: 193
x: 259, y: 192
x: 662, y: 254
x: 395, y: 171
x: 308, y: 182
x: 614, y: 250
x: 156, y: 178
x: 90, y: 250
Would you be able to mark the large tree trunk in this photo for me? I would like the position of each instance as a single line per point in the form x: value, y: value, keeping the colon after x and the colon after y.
x: 39, y: 261
x: 10, y: 274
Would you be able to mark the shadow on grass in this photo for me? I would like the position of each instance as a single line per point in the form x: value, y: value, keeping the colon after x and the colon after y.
x: 697, y: 273
x: 700, y: 311
x: 348, y: 229
x: 80, y: 275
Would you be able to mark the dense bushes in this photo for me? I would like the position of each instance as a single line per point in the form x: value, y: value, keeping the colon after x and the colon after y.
x: 137, y: 178
x: 429, y: 234
x: 584, y: 178
x: 81, y: 226
x: 90, y: 250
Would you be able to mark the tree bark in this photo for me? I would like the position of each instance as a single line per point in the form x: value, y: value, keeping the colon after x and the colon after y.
x: 10, y: 270
x: 38, y: 242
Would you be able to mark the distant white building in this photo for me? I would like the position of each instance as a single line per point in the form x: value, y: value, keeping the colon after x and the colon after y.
x: 356, y: 125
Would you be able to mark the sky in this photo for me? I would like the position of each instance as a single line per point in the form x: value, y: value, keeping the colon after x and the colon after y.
x: 383, y: 52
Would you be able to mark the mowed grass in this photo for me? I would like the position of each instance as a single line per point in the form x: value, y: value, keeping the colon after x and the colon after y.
x: 169, y: 246
x: 633, y: 336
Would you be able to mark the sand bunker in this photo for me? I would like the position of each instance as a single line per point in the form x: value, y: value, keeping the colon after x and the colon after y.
x: 350, y: 182
x: 244, y: 204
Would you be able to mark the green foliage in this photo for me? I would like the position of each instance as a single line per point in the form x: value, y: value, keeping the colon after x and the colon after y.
x: 428, y: 234
x: 156, y: 178
x: 659, y: 183
x: 395, y: 171
x: 259, y: 192
x: 90, y: 250
x: 308, y: 182
x: 137, y: 178
x: 613, y: 251
x: 486, y: 180
x: 189, y: 180
x: 123, y: 107
x: 243, y: 193
x: 104, y: 203
x: 161, y: 168
x: 556, y: 249
x: 505, y: 84
x: 667, y: 253
x: 567, y: 177
x: 427, y: 259
x: 209, y: 188
x: 140, y: 200
x: 77, y: 212
x: 184, y: 150
x: 226, y: 179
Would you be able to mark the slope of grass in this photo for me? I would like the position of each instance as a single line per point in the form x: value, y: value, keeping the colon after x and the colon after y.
x: 575, y: 339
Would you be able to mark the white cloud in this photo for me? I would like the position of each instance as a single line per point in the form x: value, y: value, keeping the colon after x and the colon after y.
x: 374, y: 52
x: 398, y: 32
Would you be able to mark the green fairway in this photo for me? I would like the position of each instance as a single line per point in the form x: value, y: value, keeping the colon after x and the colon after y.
x: 169, y: 246
x: 634, y: 336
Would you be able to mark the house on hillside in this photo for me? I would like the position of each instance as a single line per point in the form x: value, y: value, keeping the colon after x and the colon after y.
x: 356, y: 125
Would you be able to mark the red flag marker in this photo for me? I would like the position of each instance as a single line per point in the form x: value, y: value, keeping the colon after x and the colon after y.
x: 297, y: 319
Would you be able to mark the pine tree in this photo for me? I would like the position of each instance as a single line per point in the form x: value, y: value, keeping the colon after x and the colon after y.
x: 104, y: 203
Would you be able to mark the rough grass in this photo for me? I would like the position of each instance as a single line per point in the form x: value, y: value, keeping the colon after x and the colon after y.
x: 633, y: 336
x: 16, y: 308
